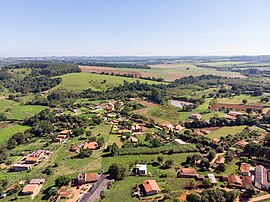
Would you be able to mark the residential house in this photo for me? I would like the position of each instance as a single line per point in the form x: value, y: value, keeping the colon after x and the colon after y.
x: 64, y: 193
x: 196, y: 116
x: 241, y: 143
x: 261, y: 178
x: 84, y: 178
x: 178, y: 127
x: 65, y: 132
x: 141, y: 169
x: 212, y: 178
x: 187, y: 172
x: 205, y: 131
x: 151, y: 187
x: 133, y: 139
x: 37, y: 181
x: 234, y: 181
x: 74, y: 148
x: 30, y: 189
x: 247, y: 181
x: 90, y: 145
x: 21, y: 167
x: 219, y: 160
x: 167, y: 125
x: 60, y: 138
x: 244, y: 169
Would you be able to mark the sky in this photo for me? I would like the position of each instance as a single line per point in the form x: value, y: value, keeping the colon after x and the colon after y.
x: 134, y: 27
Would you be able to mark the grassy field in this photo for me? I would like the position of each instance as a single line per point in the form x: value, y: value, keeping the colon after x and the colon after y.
x: 8, y: 131
x: 170, y: 113
x: 80, y: 81
x: 252, y: 100
x: 224, y: 131
x: 171, y: 72
x: 19, y: 73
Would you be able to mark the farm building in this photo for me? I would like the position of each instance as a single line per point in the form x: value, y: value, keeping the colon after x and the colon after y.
x: 21, y: 167
x: 151, y: 187
x: 261, y: 177
x: 244, y: 169
x: 234, y: 181
x: 141, y: 169
x: 195, y: 116
x: 30, y: 189
x: 37, y: 181
x: 187, y: 172
x: 90, y: 145
x: 87, y: 178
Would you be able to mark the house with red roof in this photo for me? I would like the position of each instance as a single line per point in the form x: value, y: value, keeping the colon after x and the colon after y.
x: 151, y: 187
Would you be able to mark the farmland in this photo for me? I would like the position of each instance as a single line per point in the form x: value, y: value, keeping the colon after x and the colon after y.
x: 7, y: 132
x: 81, y: 81
x: 224, y: 131
x: 169, y: 72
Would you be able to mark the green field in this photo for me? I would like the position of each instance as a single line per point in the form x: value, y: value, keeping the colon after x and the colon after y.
x: 8, y: 131
x: 171, y: 113
x: 224, y: 131
x: 80, y: 81
x: 252, y: 100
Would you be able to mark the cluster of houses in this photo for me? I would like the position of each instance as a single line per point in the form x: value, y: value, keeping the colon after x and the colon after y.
x: 31, y: 159
x: 63, y: 136
x: 258, y: 177
x: 89, y: 145
x: 232, y: 115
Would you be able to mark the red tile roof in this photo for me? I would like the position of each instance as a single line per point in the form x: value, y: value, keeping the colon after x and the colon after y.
x: 244, y: 167
x: 90, y: 145
x: 188, y: 171
x: 150, y: 185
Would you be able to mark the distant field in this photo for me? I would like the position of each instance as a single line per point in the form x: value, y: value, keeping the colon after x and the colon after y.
x: 168, y: 72
x: 80, y: 81
x: 7, y: 132
x: 252, y: 100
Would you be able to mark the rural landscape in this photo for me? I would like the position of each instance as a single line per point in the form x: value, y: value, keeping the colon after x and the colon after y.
x: 175, y: 130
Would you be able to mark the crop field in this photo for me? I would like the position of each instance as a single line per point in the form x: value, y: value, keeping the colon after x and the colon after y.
x: 224, y: 131
x: 7, y: 132
x: 81, y: 81
x: 169, y: 72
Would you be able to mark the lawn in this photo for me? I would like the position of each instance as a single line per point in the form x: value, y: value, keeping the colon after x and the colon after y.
x: 80, y: 81
x: 8, y: 131
x: 224, y: 131
x: 252, y: 100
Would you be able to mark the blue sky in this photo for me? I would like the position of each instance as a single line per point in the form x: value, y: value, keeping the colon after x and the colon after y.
x: 134, y: 27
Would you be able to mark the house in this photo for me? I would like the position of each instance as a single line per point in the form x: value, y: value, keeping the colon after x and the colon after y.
x: 74, y: 148
x: 216, y: 140
x: 212, y: 178
x: 87, y: 178
x: 241, y: 143
x: 37, y: 181
x: 167, y: 125
x: 234, y: 113
x: 90, y: 145
x: 179, y: 141
x: 35, y: 157
x: 32, y: 160
x: 261, y: 180
x: 137, y: 128
x: 178, y: 128
x: 65, y: 132
x: 234, y: 181
x: 30, y: 189
x: 205, y: 131
x: 187, y: 172
x: 151, y: 187
x: 141, y: 169
x: 133, y: 139
x: 229, y: 117
x: 244, y: 169
x: 197, y: 132
x: 195, y: 116
x: 247, y: 181
x: 64, y: 193
x: 60, y: 138
x: 219, y: 160
x: 21, y: 167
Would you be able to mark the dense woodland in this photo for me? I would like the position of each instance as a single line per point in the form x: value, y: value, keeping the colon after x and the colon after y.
x: 116, y: 65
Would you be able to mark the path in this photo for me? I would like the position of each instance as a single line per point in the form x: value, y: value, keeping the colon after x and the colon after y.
x: 260, y: 198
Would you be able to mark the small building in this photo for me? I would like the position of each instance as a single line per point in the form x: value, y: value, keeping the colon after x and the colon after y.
x: 64, y: 193
x: 37, y: 181
x: 141, y: 169
x: 32, y: 160
x: 21, y: 167
x: 241, y: 143
x: 179, y: 141
x: 212, y: 178
x: 187, y: 172
x: 74, y: 148
x: 133, y: 139
x: 205, y: 131
x: 65, y: 132
x: 196, y: 116
x: 247, y: 181
x: 244, y: 169
x: 219, y: 160
x: 90, y: 145
x: 234, y: 181
x: 178, y: 127
x: 84, y: 178
x: 60, y: 138
x: 30, y: 189
x: 216, y: 140
x: 151, y: 187
x: 261, y: 180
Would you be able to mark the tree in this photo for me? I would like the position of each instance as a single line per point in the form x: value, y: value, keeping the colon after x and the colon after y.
x: 167, y: 164
x: 221, y: 168
x: 117, y: 171
x: 191, y: 184
x: 62, y: 181
x: 211, y: 155
x: 3, y: 117
x: 53, y: 191
x: 84, y: 153
x: 78, y: 131
x: 114, y: 149
x: 160, y: 159
x: 100, y: 142
x: 205, y: 163
x: 244, y: 101
x: 88, y: 133
x: 229, y: 155
x: 156, y: 142
x: 249, y: 192
x: 207, y: 182
x: 193, y: 198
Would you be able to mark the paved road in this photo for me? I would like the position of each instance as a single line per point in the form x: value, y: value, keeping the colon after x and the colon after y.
x: 94, y: 193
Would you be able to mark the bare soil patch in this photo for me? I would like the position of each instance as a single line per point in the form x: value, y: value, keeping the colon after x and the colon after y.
x: 109, y: 70
x: 235, y: 106
x: 148, y: 105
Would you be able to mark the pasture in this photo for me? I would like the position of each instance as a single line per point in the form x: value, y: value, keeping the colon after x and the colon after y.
x: 168, y: 72
x: 7, y: 132
x: 224, y: 131
x: 81, y: 81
